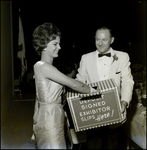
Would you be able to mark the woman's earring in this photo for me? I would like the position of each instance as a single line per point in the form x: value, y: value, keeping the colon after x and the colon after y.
x: 44, y: 49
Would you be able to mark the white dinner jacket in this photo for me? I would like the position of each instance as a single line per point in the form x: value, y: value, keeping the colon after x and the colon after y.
x: 119, y: 70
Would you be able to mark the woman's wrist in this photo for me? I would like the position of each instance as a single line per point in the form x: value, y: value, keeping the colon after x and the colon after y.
x: 92, y: 90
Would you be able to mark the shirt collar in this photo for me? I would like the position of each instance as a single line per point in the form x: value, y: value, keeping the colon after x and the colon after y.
x: 109, y: 51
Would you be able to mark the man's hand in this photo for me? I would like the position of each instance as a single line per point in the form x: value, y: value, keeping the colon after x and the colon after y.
x: 124, y: 114
x: 124, y: 105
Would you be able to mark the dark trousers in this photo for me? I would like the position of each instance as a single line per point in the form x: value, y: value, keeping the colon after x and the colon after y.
x: 102, y: 138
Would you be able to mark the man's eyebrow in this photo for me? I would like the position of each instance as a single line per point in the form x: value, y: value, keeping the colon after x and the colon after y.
x: 102, y: 38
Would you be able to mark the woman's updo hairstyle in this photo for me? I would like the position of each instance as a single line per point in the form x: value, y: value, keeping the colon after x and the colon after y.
x: 43, y: 34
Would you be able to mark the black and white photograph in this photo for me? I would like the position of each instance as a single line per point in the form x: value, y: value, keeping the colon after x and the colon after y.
x: 73, y: 74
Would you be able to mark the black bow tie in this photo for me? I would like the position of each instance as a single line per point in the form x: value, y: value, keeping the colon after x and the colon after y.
x: 107, y: 54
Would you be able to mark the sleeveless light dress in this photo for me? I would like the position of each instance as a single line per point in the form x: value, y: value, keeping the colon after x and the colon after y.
x: 48, y: 116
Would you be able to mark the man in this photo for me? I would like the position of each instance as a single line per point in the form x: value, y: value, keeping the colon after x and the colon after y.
x: 94, y: 67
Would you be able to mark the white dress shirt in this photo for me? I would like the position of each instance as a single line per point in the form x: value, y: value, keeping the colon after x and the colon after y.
x: 103, y: 65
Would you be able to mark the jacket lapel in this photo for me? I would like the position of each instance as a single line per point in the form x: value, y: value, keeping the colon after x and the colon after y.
x: 114, y: 63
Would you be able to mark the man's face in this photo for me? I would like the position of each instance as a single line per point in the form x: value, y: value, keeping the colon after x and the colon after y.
x: 103, y: 40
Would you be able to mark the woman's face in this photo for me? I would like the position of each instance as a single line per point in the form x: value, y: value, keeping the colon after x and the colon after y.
x: 53, y: 47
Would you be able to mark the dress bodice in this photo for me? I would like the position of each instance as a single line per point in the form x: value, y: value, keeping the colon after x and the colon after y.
x: 47, y: 91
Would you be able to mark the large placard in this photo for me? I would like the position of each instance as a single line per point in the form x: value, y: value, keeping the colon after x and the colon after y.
x: 92, y: 111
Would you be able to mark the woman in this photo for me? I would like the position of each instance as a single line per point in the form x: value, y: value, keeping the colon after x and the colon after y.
x: 49, y: 81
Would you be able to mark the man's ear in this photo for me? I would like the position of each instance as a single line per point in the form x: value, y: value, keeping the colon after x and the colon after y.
x: 112, y: 40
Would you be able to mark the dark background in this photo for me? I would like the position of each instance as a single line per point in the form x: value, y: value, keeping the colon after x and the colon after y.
x: 78, y: 22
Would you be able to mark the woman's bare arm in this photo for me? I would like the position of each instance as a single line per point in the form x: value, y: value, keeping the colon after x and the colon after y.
x: 52, y: 73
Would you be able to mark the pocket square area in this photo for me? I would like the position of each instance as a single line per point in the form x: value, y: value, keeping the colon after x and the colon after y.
x: 118, y: 72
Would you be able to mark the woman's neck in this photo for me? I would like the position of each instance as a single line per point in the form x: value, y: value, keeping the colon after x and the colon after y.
x: 47, y: 59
